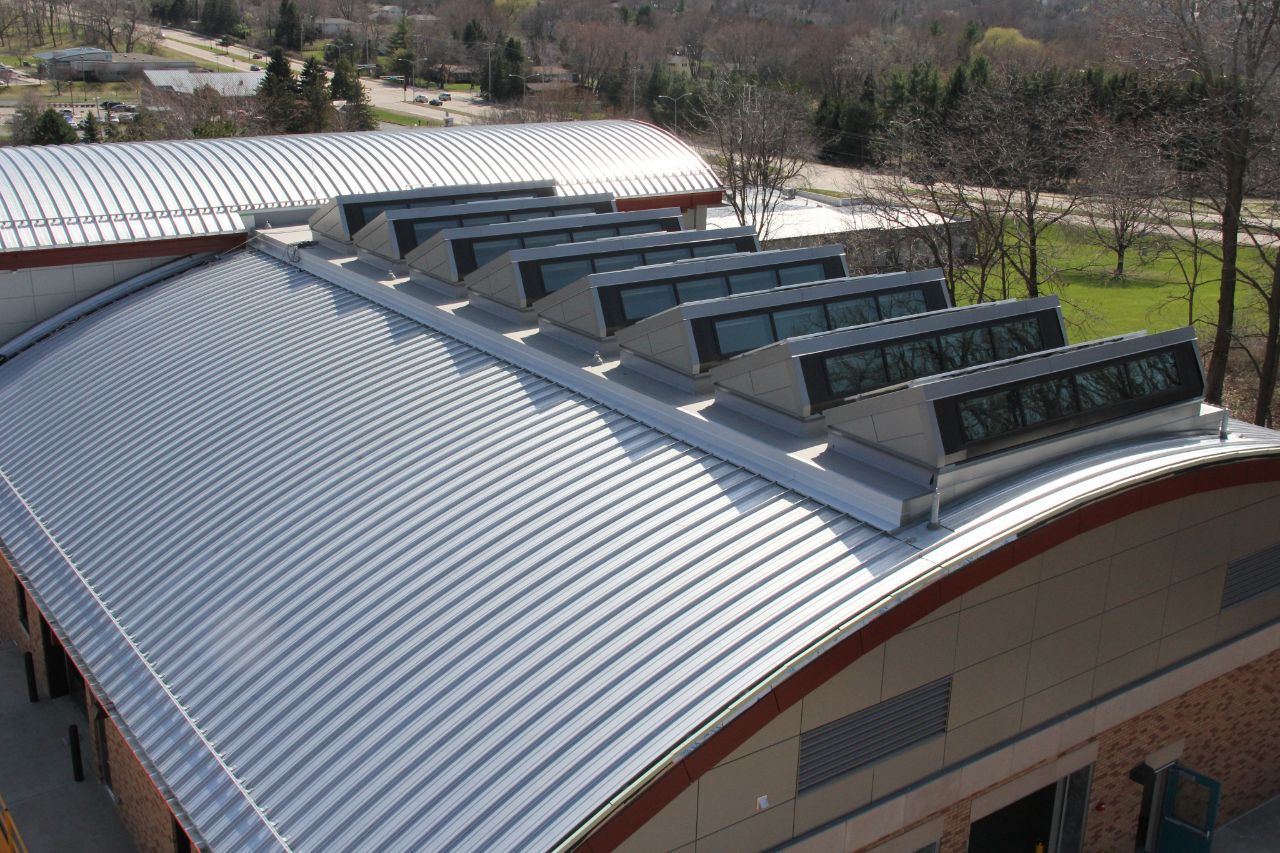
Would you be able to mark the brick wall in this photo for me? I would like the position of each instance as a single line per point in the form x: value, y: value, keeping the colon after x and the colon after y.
x: 1219, y: 721
x: 144, y: 812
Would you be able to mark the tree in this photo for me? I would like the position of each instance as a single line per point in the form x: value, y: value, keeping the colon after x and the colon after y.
x: 288, y: 31
x: 22, y: 129
x: 345, y: 85
x: 117, y: 24
x: 1230, y: 49
x: 52, y: 129
x: 91, y: 128
x: 218, y: 17
x: 358, y: 114
x: 1125, y: 185
x: 278, y: 95
x: 316, y: 115
x: 760, y: 144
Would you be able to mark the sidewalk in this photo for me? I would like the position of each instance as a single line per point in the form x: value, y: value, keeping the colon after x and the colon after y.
x: 52, y: 811
x: 1257, y: 831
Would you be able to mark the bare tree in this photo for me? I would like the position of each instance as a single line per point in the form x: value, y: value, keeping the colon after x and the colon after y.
x: 760, y: 142
x: 1126, y: 183
x: 1230, y: 49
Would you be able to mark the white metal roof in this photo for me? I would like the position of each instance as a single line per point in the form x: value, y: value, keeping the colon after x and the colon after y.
x: 348, y: 581
x: 226, y: 83
x: 66, y: 195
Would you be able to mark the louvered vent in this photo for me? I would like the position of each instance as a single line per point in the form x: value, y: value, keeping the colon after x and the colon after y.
x: 1251, y: 575
x: 871, y: 734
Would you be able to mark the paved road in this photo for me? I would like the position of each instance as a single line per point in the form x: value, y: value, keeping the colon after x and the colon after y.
x: 464, y: 108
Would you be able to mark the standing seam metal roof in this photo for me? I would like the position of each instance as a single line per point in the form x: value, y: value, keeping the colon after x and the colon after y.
x: 413, y: 597
x: 57, y: 196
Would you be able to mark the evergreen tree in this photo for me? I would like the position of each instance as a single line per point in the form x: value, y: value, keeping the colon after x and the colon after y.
x: 278, y: 95
x: 345, y: 85
x: 219, y: 17
x: 288, y: 33
x: 357, y: 114
x: 473, y: 33
x: 91, y: 128
x: 52, y: 129
x: 317, y: 106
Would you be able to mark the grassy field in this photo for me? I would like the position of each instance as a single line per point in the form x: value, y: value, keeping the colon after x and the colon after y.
x: 388, y: 117
x: 1151, y: 296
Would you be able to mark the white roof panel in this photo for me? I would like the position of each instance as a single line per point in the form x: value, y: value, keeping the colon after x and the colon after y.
x: 58, y: 194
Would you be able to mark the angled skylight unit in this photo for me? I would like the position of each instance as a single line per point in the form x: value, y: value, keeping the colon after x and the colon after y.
x: 792, y: 382
x: 681, y: 344
x: 341, y: 218
x: 588, y: 312
x: 451, y: 254
x: 518, y: 278
x: 962, y: 429
x: 392, y: 235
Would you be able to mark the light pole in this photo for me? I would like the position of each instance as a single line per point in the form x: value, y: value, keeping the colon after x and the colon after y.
x: 675, y: 106
x: 524, y: 85
x: 405, y: 92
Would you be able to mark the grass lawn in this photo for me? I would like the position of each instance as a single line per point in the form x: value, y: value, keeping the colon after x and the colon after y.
x: 826, y: 192
x: 388, y: 117
x: 1151, y: 296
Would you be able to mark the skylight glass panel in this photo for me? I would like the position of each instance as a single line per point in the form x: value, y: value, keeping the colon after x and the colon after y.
x: 641, y: 302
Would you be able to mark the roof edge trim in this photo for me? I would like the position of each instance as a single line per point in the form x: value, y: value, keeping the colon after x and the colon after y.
x: 950, y: 578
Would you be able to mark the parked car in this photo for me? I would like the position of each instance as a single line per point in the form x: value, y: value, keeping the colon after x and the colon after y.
x: 420, y: 99
x: 254, y: 68
x: 445, y: 96
x: 111, y: 105
x: 435, y: 102
x: 257, y: 56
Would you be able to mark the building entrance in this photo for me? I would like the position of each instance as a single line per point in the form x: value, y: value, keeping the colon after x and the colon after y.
x: 1050, y: 820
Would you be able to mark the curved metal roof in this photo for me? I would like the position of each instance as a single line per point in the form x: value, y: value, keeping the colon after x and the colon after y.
x: 66, y: 195
x: 347, y: 581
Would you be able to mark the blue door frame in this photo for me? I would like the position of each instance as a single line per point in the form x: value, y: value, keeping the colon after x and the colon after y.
x: 1189, y: 811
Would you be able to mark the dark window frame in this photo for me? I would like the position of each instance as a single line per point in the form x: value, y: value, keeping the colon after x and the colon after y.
x: 710, y: 354
x: 535, y: 285
x: 408, y: 239
x: 357, y: 214
x: 24, y: 614
x: 611, y: 300
x: 1188, y: 386
x: 464, y: 253
x: 817, y: 376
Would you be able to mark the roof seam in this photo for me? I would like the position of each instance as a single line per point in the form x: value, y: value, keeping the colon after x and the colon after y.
x: 141, y: 658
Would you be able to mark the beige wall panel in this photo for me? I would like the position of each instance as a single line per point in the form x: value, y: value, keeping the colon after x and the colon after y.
x: 1132, y: 626
x: 670, y: 828
x: 1071, y: 597
x: 728, y: 793
x: 838, y: 797
x: 995, y: 626
x: 919, y: 655
x: 855, y: 687
x: 764, y: 830
x: 1063, y: 655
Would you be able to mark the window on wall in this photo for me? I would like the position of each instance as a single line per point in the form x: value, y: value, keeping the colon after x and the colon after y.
x: 23, y: 618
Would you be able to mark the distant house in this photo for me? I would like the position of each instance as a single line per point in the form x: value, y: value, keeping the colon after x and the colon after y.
x: 332, y: 27
x: 387, y: 14
x: 102, y: 66
x: 424, y: 18
x: 679, y: 64
x: 229, y: 84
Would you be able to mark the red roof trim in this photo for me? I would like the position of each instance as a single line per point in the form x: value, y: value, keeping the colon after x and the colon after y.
x: 634, y: 814
x: 103, y: 252
x: 684, y: 201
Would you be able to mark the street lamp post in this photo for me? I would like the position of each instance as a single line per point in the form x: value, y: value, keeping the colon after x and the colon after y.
x: 405, y: 91
x: 524, y: 85
x: 675, y: 106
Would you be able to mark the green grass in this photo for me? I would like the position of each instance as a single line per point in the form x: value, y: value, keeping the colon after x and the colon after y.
x: 1097, y: 304
x: 389, y: 117
x: 826, y: 192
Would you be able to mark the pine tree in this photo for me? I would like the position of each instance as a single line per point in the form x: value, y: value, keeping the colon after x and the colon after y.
x: 357, y: 114
x: 52, y: 129
x: 288, y: 33
x: 345, y: 84
x: 278, y: 95
x: 91, y: 128
x: 317, y: 106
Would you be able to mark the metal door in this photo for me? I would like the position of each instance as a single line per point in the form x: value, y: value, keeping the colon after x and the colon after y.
x: 1189, y: 811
